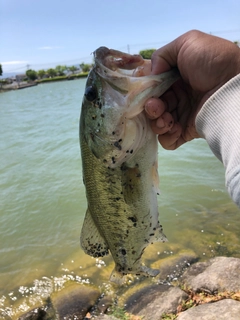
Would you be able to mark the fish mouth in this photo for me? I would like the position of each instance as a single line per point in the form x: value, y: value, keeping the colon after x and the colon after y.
x: 113, y: 59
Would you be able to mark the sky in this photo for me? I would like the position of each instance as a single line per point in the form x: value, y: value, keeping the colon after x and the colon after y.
x: 40, y: 34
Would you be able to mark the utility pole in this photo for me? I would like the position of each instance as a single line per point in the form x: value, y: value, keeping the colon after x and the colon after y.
x: 28, y: 66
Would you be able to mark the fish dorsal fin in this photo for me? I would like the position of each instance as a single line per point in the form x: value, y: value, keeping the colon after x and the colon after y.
x: 91, y: 240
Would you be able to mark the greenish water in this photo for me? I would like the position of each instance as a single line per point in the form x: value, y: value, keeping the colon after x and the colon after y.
x: 42, y: 199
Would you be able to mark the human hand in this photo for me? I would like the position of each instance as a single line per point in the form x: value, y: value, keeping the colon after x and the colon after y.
x: 205, y: 63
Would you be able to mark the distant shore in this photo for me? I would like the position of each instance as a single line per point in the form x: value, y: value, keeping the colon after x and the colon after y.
x: 22, y: 85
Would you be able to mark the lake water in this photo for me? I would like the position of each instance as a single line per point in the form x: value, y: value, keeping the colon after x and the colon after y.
x: 42, y: 199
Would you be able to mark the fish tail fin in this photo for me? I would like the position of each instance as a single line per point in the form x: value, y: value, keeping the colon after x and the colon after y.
x: 91, y: 240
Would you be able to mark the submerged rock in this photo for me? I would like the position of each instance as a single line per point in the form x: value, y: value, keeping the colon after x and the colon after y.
x: 73, y: 302
x: 35, y: 314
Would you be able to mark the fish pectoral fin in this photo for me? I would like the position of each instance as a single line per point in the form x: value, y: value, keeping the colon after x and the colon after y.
x: 117, y: 277
x: 91, y: 240
x: 149, y: 272
x: 120, y: 279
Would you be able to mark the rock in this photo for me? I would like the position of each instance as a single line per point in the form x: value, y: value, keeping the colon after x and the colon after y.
x: 174, y: 266
x: 221, y: 310
x: 105, y: 317
x: 35, y: 314
x: 217, y: 274
x: 74, y: 301
x: 104, y: 303
x: 45, y: 312
x: 151, y: 302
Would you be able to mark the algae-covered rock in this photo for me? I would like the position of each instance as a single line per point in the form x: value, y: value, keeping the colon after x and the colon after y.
x: 74, y: 301
x: 152, y: 302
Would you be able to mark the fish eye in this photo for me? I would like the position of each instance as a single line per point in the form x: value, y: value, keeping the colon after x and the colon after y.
x: 90, y: 93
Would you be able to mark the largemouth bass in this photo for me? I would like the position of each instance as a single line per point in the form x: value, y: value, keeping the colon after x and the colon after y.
x: 119, y: 160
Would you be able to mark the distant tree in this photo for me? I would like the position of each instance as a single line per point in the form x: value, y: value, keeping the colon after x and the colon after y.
x: 72, y: 69
x: 51, y: 72
x: 60, y: 70
x: 147, y: 54
x: 31, y: 74
x: 237, y: 43
x: 85, y: 67
x: 41, y: 73
x: 1, y: 72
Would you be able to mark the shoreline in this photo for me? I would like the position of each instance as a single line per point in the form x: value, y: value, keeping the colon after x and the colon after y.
x: 23, y: 85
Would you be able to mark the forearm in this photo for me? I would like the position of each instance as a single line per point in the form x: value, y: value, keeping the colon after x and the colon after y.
x: 218, y: 122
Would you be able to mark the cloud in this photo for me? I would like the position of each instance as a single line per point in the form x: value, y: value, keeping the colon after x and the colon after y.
x: 49, y: 48
x: 8, y: 63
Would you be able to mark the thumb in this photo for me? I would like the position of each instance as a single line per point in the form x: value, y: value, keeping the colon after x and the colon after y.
x: 165, y: 58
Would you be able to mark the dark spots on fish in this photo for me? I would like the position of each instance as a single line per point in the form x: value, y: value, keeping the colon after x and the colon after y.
x: 98, y: 124
x: 154, y: 229
x: 117, y: 145
x: 131, y: 151
x: 135, y: 225
x: 151, y: 234
x: 133, y: 252
x: 104, y: 161
x: 94, y: 117
x: 113, y: 160
x: 98, y: 104
x: 96, y: 250
x: 129, y: 269
x: 124, y: 252
x: 158, y: 193
x: 90, y: 93
x: 133, y: 219
x: 123, y: 167
x: 138, y: 175
x: 118, y: 198
x: 102, y: 115
x: 113, y: 133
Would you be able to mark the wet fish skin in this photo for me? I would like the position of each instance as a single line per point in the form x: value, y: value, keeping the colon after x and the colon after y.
x: 119, y: 160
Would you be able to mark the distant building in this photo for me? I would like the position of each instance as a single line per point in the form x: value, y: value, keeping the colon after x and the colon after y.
x: 20, y: 77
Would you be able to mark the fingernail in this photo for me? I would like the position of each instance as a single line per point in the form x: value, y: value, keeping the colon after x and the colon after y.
x: 160, y: 123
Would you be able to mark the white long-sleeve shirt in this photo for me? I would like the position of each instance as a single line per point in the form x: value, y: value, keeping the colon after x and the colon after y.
x: 218, y: 122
